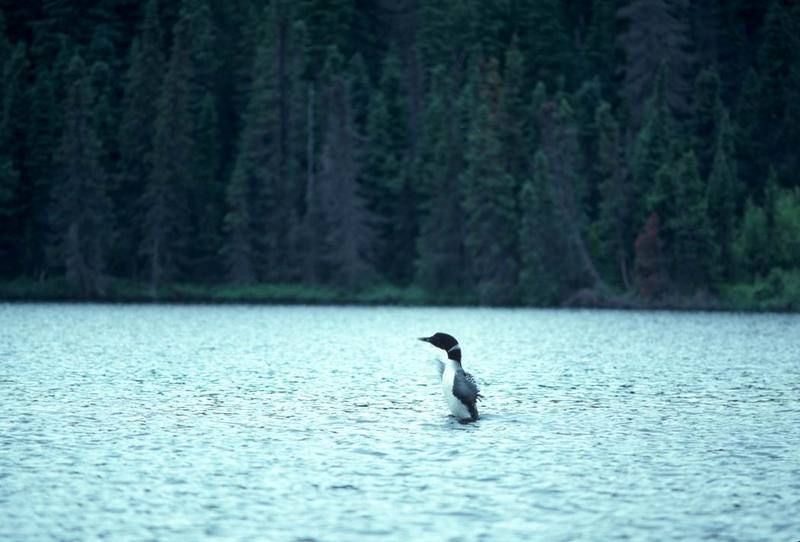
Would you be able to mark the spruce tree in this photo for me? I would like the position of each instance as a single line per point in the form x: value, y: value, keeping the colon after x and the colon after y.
x: 751, y: 237
x: 723, y: 194
x: 612, y: 231
x: 16, y: 221
x: 542, y: 246
x: 776, y: 56
x: 266, y: 182
x: 600, y: 56
x: 706, y: 116
x: 389, y: 190
x: 441, y: 263
x: 81, y: 209
x: 656, y: 38
x: 546, y: 41
x: 344, y: 211
x: 136, y: 136
x: 559, y: 142
x: 329, y: 24
x: 514, y: 125
x: 209, y: 192
x: 491, y: 224
x: 652, y: 148
x: 166, y: 215
x: 694, y: 248
x: 750, y: 147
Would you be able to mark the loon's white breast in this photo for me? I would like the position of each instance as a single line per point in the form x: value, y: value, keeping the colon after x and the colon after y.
x: 458, y: 408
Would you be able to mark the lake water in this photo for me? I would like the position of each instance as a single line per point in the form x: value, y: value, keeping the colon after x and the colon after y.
x: 327, y: 424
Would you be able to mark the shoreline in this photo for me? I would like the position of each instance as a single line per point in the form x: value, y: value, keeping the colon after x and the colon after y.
x: 57, y: 291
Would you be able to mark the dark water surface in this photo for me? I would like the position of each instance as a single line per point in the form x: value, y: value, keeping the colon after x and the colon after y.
x: 298, y: 423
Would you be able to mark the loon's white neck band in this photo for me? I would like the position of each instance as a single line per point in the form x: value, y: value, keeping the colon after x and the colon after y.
x: 456, y: 347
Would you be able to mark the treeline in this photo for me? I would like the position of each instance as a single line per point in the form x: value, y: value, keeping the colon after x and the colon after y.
x: 520, y: 151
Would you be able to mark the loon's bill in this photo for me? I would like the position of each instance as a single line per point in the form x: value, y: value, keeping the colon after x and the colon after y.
x: 460, y: 390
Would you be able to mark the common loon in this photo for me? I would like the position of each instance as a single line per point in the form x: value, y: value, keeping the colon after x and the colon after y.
x: 459, y: 387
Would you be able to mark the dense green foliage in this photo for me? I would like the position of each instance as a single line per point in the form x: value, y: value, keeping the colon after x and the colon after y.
x: 615, y: 152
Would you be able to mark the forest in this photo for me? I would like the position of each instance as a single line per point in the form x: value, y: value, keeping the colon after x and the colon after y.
x: 618, y: 153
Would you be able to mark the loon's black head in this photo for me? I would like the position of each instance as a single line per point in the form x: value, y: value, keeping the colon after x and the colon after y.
x: 446, y: 342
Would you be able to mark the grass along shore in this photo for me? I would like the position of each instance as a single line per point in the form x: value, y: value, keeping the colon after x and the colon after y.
x: 778, y: 292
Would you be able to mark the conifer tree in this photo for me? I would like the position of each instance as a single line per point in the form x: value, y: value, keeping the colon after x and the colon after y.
x: 81, y: 209
x: 560, y: 145
x: 723, y: 194
x: 344, y: 212
x: 751, y: 237
x: 651, y: 148
x: 513, y: 125
x: 694, y: 248
x: 441, y: 263
x: 707, y: 114
x: 266, y: 179
x: 776, y: 57
x: 546, y: 41
x: 166, y: 214
x: 448, y: 33
x: 489, y: 195
x: 387, y: 187
x: 656, y: 38
x: 15, y: 221
x: 329, y: 24
x: 612, y: 231
x: 542, y: 246
x: 750, y: 149
x: 600, y: 51
x: 209, y: 192
x: 136, y: 136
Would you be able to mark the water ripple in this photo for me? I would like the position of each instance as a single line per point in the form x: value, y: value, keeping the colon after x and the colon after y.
x: 298, y: 423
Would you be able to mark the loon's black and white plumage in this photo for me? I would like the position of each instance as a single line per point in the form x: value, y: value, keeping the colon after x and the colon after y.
x: 460, y: 390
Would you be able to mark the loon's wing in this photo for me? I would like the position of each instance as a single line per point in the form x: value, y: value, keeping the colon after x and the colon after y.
x: 471, y: 380
x: 467, y: 392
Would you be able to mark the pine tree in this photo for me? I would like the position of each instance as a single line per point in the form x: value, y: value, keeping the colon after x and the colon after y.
x: 776, y: 57
x: 251, y: 187
x: 751, y: 238
x: 105, y: 113
x: 652, y: 149
x: 15, y: 218
x: 448, y: 34
x: 266, y: 183
x: 707, y: 113
x: 612, y: 230
x: 694, y: 248
x: 542, y: 245
x: 723, y: 194
x: 545, y: 40
x: 559, y: 143
x: 600, y: 51
x: 329, y: 24
x: 513, y: 124
x: 387, y: 187
x: 489, y: 196
x: 136, y: 136
x: 441, y: 263
x: 656, y: 38
x: 209, y: 192
x: 750, y: 149
x: 166, y: 214
x: 344, y: 212
x: 81, y: 209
